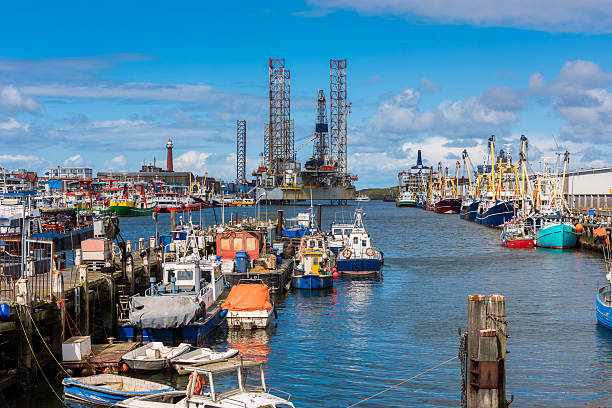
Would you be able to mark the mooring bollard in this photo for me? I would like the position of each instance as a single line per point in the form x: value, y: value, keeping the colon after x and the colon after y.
x: 84, y: 300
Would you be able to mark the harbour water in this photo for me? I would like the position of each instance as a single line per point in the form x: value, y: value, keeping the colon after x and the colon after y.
x: 334, y: 348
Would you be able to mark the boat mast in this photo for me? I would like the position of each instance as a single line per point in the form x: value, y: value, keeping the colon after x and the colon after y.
x: 492, y: 157
x: 457, y: 180
x: 467, y: 167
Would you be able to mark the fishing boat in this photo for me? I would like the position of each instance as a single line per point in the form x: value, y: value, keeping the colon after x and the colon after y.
x: 494, y: 213
x: 359, y: 257
x: 209, y: 387
x: 154, y: 356
x: 447, y: 205
x: 603, y: 306
x: 200, y: 355
x: 516, y: 235
x: 185, y: 303
x: 248, y: 306
x: 469, y: 209
x: 302, y: 224
x: 553, y: 231
x: 406, y: 199
x: 362, y: 198
x: 314, y: 264
x: 109, y: 389
x: 339, y: 232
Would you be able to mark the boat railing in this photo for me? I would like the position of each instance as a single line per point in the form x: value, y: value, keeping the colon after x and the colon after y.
x: 235, y: 402
x: 280, y: 391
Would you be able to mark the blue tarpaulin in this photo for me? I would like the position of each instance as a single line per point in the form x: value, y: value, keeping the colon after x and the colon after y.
x: 55, y: 184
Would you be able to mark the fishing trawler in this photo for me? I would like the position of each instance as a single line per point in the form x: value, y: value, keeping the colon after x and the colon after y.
x: 314, y: 264
x: 516, y: 234
x: 603, y: 308
x: 359, y: 257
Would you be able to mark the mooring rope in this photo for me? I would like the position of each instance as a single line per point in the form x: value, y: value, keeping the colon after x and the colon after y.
x: 36, y: 359
x: 403, y: 382
x: 45, y: 343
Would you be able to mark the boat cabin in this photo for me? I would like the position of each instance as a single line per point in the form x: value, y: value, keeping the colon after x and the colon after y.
x: 229, y: 243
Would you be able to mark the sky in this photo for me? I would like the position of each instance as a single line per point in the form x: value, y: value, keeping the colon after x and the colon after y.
x: 106, y: 84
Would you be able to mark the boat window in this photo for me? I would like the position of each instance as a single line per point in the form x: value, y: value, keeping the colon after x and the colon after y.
x: 364, y: 243
x: 315, y: 261
x: 348, y: 231
x: 312, y: 244
x: 355, y: 240
x: 184, y: 275
x: 251, y: 243
x: 225, y: 244
x: 238, y: 244
x: 338, y: 231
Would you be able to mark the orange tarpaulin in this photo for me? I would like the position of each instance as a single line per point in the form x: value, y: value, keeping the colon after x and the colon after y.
x: 249, y: 296
x: 599, y: 232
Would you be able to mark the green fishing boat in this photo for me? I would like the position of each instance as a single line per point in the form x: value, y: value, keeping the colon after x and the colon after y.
x: 128, y: 211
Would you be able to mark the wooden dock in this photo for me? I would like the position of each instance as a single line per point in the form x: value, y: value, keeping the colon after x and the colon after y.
x: 103, y: 357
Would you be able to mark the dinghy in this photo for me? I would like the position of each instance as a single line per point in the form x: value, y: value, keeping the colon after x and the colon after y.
x: 200, y: 355
x: 109, y: 389
x: 153, y: 356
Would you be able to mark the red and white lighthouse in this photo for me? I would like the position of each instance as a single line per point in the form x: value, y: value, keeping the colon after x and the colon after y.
x: 169, y: 146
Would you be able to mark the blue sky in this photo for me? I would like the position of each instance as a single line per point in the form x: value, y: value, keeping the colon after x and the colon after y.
x: 105, y: 86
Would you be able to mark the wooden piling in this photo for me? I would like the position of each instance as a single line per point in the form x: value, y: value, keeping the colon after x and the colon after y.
x: 476, y: 322
x: 487, y: 352
x: 84, y: 300
x: 496, y: 319
x: 172, y: 223
x: 279, y: 224
x: 24, y: 306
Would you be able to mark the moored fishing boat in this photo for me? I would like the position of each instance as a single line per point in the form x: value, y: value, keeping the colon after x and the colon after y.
x: 248, y: 306
x: 603, y: 305
x: 359, y: 257
x: 516, y: 235
x: 554, y: 231
x: 447, y: 206
x: 494, y: 213
x: 314, y: 264
x: 406, y: 199
x: 109, y: 389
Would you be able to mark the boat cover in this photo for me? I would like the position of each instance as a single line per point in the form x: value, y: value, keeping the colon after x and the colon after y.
x: 248, y: 296
x: 163, y: 312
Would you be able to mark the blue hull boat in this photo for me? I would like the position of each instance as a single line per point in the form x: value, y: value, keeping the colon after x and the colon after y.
x: 109, y: 389
x: 604, y: 307
x: 497, y: 215
x: 359, y: 266
x: 313, y: 281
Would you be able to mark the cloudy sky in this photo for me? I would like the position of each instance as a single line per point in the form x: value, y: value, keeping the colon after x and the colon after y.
x: 106, y: 84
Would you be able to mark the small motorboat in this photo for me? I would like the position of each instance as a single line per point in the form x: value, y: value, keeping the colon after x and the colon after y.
x: 153, y: 356
x: 207, y: 387
x: 109, y: 389
x: 248, y: 306
x: 362, y: 198
x: 516, y: 234
x: 200, y: 355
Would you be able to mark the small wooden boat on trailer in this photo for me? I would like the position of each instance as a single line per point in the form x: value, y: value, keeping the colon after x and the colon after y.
x: 153, y: 356
x: 109, y: 389
x: 200, y: 355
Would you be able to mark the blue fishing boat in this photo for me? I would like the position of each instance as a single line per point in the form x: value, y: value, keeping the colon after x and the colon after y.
x: 494, y: 213
x: 553, y: 231
x: 314, y: 264
x: 359, y: 257
x: 109, y: 389
x: 469, y: 209
x: 603, y: 308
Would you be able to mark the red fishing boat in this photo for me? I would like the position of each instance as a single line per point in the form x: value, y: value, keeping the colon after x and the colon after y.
x: 448, y: 206
x: 515, y: 235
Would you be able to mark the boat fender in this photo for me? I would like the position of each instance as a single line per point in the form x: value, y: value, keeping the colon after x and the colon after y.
x: 347, y: 253
x: 370, y: 251
x: 223, y: 313
x: 199, y: 385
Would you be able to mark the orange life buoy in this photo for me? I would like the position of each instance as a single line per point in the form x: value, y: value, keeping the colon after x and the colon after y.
x: 370, y: 251
x: 347, y: 253
x: 199, y: 385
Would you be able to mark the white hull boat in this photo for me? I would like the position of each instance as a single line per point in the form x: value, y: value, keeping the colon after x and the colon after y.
x: 200, y: 356
x: 248, y: 319
x: 153, y: 356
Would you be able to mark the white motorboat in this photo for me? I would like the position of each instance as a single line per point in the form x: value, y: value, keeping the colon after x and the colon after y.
x: 200, y: 355
x: 248, y: 306
x: 153, y: 356
x: 203, y: 389
x: 362, y: 198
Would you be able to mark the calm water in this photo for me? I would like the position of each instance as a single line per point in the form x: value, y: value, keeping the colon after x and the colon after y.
x: 334, y: 348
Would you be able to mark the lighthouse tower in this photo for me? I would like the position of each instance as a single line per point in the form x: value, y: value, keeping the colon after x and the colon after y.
x: 169, y: 146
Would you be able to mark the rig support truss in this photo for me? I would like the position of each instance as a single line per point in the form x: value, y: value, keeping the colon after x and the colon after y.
x: 280, y: 134
x: 339, y: 110
x: 241, y: 152
x: 320, y: 148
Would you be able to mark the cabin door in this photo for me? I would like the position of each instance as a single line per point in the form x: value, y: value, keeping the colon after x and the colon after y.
x: 316, y: 260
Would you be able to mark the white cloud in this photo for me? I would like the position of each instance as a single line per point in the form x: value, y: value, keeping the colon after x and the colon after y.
x: 428, y: 86
x: 12, y: 101
x: 74, y: 161
x: 13, y: 125
x: 29, y: 162
x: 544, y: 15
x: 192, y: 161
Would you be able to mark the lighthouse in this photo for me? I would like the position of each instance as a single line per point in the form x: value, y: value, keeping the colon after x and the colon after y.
x: 169, y: 166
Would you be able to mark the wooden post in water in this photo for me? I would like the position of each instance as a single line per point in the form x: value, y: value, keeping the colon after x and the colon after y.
x: 172, y: 223
x: 156, y: 228
x: 476, y: 322
x: 496, y: 319
x: 487, y: 354
x: 319, y: 218
x: 84, y: 300
x: 279, y: 224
